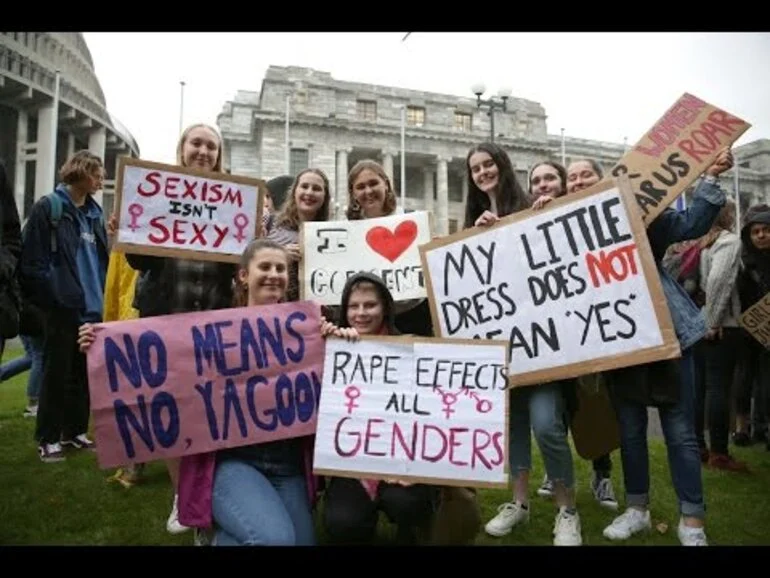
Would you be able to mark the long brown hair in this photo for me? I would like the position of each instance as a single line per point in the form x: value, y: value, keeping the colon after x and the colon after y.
x: 354, y: 212
x: 241, y: 291
x: 288, y: 216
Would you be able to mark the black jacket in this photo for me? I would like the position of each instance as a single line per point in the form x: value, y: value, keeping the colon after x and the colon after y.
x: 50, y: 280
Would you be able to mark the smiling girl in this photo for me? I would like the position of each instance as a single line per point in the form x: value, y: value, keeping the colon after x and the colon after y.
x: 308, y: 201
x: 261, y: 494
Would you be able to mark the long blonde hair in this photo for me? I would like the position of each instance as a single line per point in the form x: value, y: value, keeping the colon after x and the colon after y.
x: 183, y: 138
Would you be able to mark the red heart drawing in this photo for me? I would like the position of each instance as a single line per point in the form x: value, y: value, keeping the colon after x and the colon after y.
x: 392, y: 245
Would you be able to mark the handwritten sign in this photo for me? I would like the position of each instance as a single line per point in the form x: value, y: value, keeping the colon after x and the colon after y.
x: 573, y: 289
x: 675, y: 151
x: 174, y: 211
x: 164, y: 387
x: 423, y: 410
x: 756, y: 320
x: 386, y: 246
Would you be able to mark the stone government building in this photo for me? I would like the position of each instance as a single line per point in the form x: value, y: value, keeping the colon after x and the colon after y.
x: 335, y: 123
x: 28, y: 64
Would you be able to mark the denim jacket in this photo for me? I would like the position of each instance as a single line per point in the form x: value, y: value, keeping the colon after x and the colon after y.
x: 671, y: 227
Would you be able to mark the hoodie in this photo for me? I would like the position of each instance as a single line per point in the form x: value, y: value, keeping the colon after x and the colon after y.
x: 389, y: 317
x: 754, y: 276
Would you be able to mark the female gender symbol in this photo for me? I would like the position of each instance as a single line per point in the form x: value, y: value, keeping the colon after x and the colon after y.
x: 240, y: 221
x: 448, y: 399
x: 352, y: 393
x: 135, y: 210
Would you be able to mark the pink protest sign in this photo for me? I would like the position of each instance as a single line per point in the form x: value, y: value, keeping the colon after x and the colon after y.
x: 164, y: 387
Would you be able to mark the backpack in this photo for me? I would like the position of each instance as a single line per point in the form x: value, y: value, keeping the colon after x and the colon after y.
x: 31, y: 316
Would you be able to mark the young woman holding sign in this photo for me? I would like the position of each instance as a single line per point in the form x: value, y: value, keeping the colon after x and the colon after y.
x: 493, y: 192
x: 169, y: 285
x: 667, y: 385
x: 260, y: 494
x: 371, y: 195
x: 549, y: 180
x: 308, y: 200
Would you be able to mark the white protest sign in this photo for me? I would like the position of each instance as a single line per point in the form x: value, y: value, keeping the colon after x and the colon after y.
x: 332, y: 251
x: 573, y: 288
x: 422, y: 410
x: 173, y: 211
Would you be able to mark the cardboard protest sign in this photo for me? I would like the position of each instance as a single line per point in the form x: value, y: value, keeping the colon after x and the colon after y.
x: 420, y: 410
x: 173, y: 211
x: 675, y: 151
x: 573, y: 288
x: 165, y: 387
x: 332, y: 251
x: 756, y: 320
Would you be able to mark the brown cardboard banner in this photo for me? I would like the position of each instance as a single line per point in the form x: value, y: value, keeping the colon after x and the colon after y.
x: 756, y: 320
x: 505, y: 274
x: 675, y: 151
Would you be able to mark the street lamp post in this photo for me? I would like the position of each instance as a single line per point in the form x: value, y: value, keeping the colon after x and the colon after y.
x: 181, y: 105
x: 491, y: 104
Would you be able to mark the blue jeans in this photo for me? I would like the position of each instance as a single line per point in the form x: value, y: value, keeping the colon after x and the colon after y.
x: 253, y: 504
x: 33, y: 347
x: 678, y: 423
x: 543, y: 408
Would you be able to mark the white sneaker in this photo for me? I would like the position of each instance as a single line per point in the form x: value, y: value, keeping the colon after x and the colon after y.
x: 546, y: 488
x: 566, y: 529
x: 691, y: 536
x: 172, y: 524
x: 603, y: 492
x: 509, y: 515
x: 627, y: 524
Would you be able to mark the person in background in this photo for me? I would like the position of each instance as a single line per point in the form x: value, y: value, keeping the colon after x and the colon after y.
x: 10, y: 252
x: 62, y: 271
x: 720, y: 259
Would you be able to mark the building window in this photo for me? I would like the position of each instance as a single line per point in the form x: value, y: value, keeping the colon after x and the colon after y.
x: 366, y: 110
x: 452, y: 226
x: 415, y: 116
x: 299, y: 160
x: 463, y: 121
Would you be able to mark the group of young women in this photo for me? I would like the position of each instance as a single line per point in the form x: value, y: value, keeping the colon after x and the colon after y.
x: 266, y: 493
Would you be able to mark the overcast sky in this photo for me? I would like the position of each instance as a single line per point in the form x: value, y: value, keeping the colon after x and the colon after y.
x: 599, y: 86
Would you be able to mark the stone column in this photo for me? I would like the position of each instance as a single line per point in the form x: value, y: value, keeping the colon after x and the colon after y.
x: 387, y: 164
x: 464, y: 180
x: 442, y: 197
x: 341, y: 189
x: 71, y: 145
x: 20, y: 179
x: 97, y: 142
x: 427, y: 189
x: 45, y: 166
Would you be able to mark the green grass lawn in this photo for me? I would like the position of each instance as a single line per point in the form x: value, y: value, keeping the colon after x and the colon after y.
x: 72, y: 502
